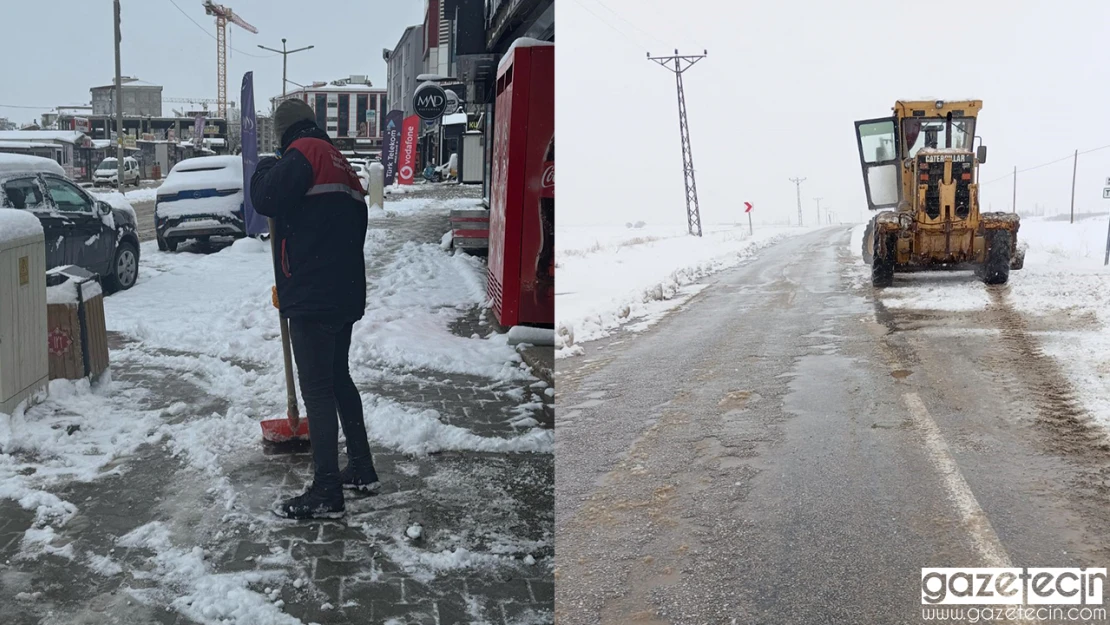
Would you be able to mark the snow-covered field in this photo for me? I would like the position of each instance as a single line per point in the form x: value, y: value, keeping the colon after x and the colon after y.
x: 1063, y: 280
x: 611, y: 276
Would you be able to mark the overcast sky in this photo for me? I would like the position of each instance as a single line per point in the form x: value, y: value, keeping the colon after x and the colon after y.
x: 54, y: 52
x: 783, y: 82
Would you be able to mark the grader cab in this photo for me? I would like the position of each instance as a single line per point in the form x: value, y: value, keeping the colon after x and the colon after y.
x: 920, y: 169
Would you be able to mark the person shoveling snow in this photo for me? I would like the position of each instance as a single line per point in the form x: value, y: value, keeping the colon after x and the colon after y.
x: 315, y: 200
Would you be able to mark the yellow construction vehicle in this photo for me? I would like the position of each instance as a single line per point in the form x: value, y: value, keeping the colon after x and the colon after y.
x: 921, y: 170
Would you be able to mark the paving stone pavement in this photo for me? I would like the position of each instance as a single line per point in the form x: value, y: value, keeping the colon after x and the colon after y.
x: 485, y: 555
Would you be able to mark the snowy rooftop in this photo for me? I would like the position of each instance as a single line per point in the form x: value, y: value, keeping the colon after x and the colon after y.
x: 20, y: 163
x: 68, y: 136
x: 24, y: 145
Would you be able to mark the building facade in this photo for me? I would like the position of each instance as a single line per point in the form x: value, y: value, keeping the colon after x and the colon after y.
x: 437, y: 39
x: 267, y: 143
x: 139, y: 98
x: 350, y: 110
x: 403, y: 64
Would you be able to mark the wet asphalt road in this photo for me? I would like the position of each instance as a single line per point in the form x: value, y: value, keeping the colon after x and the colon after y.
x: 784, y: 449
x: 144, y: 215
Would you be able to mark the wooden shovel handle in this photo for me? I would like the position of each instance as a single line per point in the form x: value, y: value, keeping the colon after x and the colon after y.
x: 292, y: 412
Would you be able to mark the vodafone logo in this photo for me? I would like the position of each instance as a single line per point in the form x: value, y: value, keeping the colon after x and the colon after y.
x: 406, y: 172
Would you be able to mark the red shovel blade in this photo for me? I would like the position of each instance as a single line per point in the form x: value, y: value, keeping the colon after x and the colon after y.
x: 279, y: 430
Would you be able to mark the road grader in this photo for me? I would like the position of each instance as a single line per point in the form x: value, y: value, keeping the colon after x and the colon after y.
x: 921, y: 171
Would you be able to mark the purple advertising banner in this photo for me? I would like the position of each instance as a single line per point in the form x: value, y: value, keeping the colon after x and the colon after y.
x: 391, y: 144
x: 255, y: 223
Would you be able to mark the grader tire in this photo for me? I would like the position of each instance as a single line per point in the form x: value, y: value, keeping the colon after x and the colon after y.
x: 996, y: 269
x: 882, y: 263
x: 869, y: 241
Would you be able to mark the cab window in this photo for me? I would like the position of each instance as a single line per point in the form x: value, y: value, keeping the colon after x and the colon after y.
x: 67, y: 197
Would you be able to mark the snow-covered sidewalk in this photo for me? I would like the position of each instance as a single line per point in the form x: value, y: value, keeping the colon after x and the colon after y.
x: 147, y: 495
x: 612, y: 276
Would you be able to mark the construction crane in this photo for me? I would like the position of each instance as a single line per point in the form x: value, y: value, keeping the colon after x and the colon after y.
x: 223, y: 16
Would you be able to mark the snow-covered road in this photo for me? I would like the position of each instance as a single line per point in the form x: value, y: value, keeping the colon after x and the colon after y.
x: 793, y: 446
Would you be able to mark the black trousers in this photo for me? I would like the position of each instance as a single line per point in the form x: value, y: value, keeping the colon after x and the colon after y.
x: 321, y: 349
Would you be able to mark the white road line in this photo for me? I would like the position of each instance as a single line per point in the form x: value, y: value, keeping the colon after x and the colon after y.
x: 978, y: 526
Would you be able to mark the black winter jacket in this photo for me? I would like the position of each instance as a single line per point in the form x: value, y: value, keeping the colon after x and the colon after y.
x: 316, y: 200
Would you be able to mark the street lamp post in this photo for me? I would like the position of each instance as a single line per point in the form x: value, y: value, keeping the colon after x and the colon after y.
x: 119, y: 108
x: 284, y: 60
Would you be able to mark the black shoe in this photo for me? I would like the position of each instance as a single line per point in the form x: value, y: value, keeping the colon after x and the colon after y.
x: 317, y: 502
x: 360, y: 477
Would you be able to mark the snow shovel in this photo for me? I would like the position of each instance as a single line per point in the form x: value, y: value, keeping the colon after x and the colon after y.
x: 291, y: 428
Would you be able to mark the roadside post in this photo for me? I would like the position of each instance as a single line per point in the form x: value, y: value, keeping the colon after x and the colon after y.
x: 748, y: 210
x: 1106, y: 196
x: 377, y: 185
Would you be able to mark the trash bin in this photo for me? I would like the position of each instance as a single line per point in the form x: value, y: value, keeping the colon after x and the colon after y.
x: 76, y: 334
x: 156, y: 173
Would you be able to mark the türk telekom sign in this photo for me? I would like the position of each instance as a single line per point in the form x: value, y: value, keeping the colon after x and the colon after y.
x: 405, y: 172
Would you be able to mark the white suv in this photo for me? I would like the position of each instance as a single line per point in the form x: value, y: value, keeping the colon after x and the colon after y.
x: 106, y: 172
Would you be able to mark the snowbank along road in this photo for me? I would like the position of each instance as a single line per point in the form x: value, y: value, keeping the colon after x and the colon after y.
x: 146, y: 497
x: 792, y: 447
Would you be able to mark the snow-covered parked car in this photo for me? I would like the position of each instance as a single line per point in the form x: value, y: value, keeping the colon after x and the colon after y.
x: 200, y: 198
x: 106, y: 172
x: 79, y: 229
x: 363, y: 172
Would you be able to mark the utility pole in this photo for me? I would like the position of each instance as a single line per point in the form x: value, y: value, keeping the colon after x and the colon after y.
x: 119, y: 108
x: 798, y: 182
x: 680, y: 65
x: 818, y: 210
x: 284, y: 60
x: 1015, y: 188
x: 1074, y: 166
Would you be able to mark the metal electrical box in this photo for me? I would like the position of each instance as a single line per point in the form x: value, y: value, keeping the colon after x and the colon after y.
x: 521, y: 281
x: 473, y: 157
x: 24, y: 369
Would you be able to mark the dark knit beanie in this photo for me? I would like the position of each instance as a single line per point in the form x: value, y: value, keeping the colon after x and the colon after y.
x: 290, y: 112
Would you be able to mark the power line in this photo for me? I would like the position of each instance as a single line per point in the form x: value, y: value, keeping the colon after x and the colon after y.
x: 1059, y: 160
x: 610, y: 25
x: 205, y: 31
x: 623, y: 19
x: 18, y: 106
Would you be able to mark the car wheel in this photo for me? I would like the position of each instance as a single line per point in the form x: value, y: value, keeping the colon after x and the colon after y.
x: 125, y: 267
x: 161, y: 243
x: 171, y: 244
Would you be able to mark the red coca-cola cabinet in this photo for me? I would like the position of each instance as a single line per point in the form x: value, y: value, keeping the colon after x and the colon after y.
x: 521, y: 280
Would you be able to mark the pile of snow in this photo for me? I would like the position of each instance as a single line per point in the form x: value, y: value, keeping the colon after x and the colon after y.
x: 67, y: 437
x: 16, y: 225
x: 188, y: 584
x: 146, y: 194
x: 215, y: 311
x: 609, y: 276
